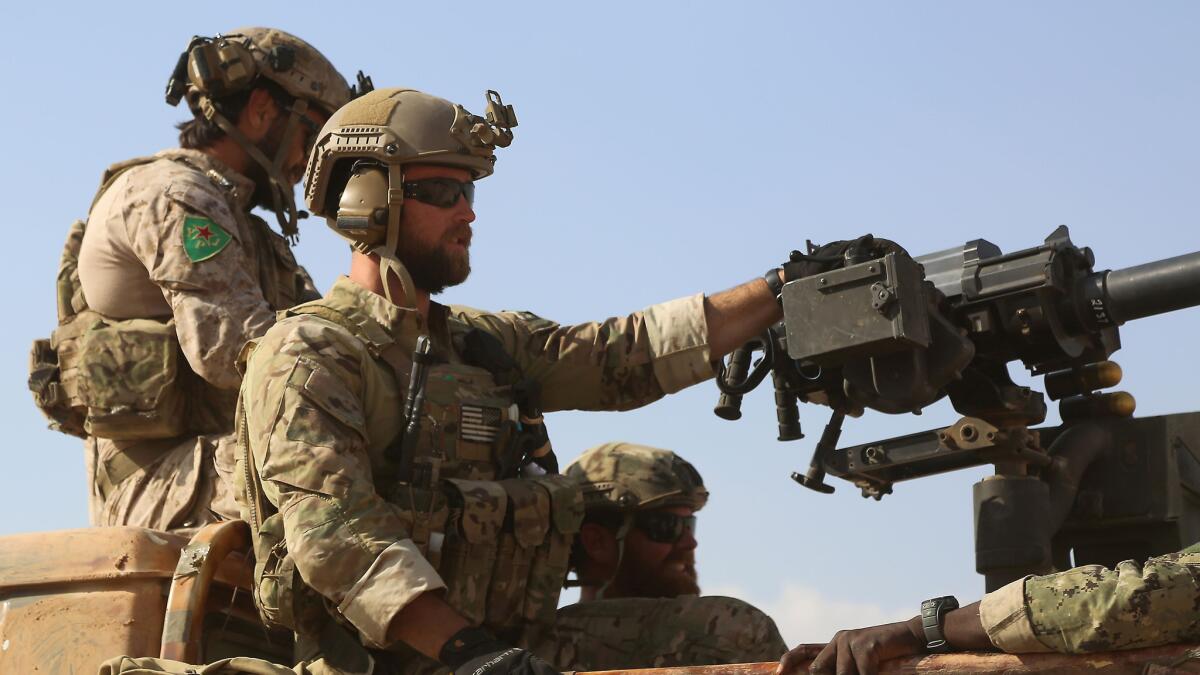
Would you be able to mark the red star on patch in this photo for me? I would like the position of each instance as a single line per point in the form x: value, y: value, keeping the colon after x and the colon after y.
x: 204, y: 232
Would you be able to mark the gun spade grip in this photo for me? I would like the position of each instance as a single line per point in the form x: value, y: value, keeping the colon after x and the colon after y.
x: 787, y: 413
x: 729, y: 406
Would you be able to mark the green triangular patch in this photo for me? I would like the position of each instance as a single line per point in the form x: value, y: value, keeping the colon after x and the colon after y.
x: 202, y: 238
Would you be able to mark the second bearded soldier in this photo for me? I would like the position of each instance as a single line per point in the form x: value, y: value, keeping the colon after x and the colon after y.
x: 427, y: 539
x: 172, y: 274
x: 635, y: 560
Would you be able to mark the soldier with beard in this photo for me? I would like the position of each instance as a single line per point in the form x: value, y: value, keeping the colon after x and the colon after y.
x: 635, y: 563
x: 394, y: 467
x: 172, y: 274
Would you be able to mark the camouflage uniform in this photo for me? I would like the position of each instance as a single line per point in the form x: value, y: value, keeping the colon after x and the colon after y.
x: 661, y: 632
x: 168, y: 278
x: 653, y: 632
x: 337, y: 530
x: 133, y: 263
x: 1092, y: 609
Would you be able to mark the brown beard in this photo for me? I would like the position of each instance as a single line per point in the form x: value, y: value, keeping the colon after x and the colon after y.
x: 432, y: 268
x: 663, y: 582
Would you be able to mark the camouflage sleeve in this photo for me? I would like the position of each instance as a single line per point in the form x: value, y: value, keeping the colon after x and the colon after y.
x: 307, y: 432
x: 615, y: 364
x: 217, y: 301
x: 621, y: 633
x: 1092, y: 608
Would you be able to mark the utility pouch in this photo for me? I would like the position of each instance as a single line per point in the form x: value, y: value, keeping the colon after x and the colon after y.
x: 477, y: 513
x: 525, y: 531
x: 282, y: 597
x: 425, y: 513
x: 127, y: 378
x: 45, y: 381
x: 550, y: 563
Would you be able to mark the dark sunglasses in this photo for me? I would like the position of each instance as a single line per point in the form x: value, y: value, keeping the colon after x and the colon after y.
x: 440, y: 192
x: 663, y: 527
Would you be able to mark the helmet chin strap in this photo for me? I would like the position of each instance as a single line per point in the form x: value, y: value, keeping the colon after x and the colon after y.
x: 621, y: 532
x: 282, y: 196
x: 389, y: 261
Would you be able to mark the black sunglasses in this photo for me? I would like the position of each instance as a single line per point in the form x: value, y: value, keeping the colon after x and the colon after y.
x: 440, y: 192
x: 664, y: 527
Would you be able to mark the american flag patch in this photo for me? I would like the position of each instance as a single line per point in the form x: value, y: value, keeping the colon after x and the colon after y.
x: 479, y: 423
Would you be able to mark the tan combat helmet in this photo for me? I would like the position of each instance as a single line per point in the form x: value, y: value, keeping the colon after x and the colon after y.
x: 628, y: 477
x: 212, y: 68
x: 355, y: 176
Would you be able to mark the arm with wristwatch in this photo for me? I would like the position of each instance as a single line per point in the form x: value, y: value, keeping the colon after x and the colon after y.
x: 1082, y: 610
x: 942, y: 626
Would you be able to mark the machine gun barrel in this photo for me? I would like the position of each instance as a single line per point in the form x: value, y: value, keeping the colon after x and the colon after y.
x: 1146, y: 290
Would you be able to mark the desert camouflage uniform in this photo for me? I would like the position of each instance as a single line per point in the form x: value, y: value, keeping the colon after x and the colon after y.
x: 661, y: 632
x: 133, y: 255
x: 321, y: 409
x: 1093, y: 609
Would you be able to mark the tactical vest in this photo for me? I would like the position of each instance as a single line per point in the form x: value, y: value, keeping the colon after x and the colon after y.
x: 500, y: 543
x: 128, y: 379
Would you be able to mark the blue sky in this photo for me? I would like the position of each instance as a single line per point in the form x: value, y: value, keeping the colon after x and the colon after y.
x: 668, y: 148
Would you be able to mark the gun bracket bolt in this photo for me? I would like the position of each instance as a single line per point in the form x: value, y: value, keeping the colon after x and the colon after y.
x: 968, y: 432
x: 874, y: 454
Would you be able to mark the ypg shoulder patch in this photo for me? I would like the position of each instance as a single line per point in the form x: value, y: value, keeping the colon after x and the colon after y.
x: 202, y: 238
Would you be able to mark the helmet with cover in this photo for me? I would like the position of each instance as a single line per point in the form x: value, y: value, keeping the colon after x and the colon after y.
x: 628, y: 477
x: 211, y: 69
x: 355, y: 175
x: 296, y: 66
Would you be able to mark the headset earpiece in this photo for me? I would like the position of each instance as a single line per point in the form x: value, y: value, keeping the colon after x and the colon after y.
x: 362, y: 214
x: 221, y: 67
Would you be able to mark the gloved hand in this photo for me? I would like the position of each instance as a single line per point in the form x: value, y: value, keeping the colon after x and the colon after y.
x: 474, y: 651
x: 511, y: 661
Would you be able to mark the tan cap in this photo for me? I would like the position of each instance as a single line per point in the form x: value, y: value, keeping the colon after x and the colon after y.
x: 629, y: 476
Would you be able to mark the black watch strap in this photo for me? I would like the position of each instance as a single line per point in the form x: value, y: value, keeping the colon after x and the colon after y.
x: 774, y: 282
x: 933, y: 620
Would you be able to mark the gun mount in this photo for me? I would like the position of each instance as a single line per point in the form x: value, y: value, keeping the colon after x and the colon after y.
x: 866, y: 326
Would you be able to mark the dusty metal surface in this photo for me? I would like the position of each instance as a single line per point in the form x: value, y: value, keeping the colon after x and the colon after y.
x: 72, y: 627
x: 69, y: 556
x: 1156, y: 660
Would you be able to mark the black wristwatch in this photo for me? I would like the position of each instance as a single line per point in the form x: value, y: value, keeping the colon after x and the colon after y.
x: 933, y: 620
x: 774, y: 282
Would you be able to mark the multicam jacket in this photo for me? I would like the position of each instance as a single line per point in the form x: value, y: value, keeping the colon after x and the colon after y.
x: 321, y: 398
x: 1094, y: 609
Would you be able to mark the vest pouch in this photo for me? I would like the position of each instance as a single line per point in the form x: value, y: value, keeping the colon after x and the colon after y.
x: 550, y: 562
x: 425, y: 513
x: 128, y: 378
x: 274, y: 574
x: 45, y: 381
x: 525, y: 531
x: 476, y: 515
x: 280, y: 594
